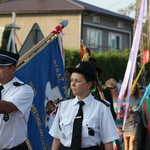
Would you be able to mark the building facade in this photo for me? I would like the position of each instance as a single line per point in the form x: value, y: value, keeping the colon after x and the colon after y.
x: 100, y: 29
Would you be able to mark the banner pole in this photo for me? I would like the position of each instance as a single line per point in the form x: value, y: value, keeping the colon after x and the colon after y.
x: 40, y: 45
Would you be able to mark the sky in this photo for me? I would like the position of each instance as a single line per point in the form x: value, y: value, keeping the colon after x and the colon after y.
x: 112, y: 5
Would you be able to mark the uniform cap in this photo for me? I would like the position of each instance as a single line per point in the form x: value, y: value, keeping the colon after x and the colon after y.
x: 8, y: 58
x: 85, y: 68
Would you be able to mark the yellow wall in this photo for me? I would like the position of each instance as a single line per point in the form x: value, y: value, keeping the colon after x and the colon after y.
x: 47, y: 22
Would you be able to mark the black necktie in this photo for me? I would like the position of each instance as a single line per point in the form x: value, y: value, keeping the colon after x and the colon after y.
x: 77, y: 129
x: 6, y: 116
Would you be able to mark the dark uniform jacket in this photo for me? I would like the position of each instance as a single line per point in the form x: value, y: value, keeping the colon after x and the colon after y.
x: 108, y: 97
x: 143, y: 141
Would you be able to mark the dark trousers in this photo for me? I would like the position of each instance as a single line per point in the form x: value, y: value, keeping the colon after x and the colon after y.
x: 22, y: 146
x: 89, y: 148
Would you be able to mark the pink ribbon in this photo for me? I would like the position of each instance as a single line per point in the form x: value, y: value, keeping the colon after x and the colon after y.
x: 128, y: 78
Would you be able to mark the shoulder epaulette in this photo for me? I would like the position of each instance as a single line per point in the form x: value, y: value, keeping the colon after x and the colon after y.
x: 104, y: 102
x: 18, y: 84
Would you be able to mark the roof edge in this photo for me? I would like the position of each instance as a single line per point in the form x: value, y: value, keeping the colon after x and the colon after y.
x: 77, y: 4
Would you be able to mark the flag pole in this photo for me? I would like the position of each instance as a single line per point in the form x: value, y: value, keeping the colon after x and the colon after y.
x: 40, y: 45
x: 148, y: 25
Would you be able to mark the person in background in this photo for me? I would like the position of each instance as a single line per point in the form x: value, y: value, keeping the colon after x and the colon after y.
x: 112, y: 84
x: 104, y: 89
x: 143, y: 129
x: 15, y: 104
x: 130, y: 129
x: 119, y: 85
x: 97, y: 116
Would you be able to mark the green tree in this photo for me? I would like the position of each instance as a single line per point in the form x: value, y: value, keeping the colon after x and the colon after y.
x: 5, y: 38
x: 127, y: 10
x: 145, y: 37
x: 112, y: 63
x: 2, y: 1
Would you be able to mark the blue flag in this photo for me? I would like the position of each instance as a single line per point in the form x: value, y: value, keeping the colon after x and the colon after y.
x: 45, y: 73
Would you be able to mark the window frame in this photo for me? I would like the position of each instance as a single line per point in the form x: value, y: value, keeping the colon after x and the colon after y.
x: 115, y: 41
x: 94, y: 39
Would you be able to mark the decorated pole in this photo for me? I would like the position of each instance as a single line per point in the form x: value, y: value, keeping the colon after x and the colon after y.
x: 53, y: 64
x: 148, y: 25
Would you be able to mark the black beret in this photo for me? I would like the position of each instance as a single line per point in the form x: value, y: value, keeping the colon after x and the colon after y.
x: 85, y: 68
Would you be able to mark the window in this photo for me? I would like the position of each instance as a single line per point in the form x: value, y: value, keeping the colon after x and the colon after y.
x: 94, y: 39
x: 96, y: 19
x: 120, y: 25
x: 1, y: 34
x: 115, y: 41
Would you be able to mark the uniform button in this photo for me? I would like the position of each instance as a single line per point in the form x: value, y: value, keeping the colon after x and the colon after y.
x: 62, y: 135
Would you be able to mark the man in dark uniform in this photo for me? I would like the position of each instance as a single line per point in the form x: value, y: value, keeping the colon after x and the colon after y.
x: 105, y: 91
x: 143, y: 132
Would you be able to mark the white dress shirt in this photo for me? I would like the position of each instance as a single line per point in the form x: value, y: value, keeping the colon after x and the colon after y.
x: 97, y: 117
x: 14, y: 131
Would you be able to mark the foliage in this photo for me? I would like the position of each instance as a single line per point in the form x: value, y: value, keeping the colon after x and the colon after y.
x: 145, y: 37
x: 1, y: 1
x: 113, y: 63
x: 127, y: 10
x: 5, y: 38
x: 72, y: 58
x: 147, y: 68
